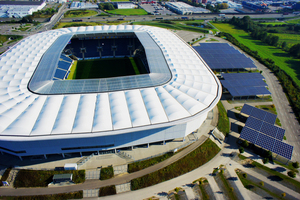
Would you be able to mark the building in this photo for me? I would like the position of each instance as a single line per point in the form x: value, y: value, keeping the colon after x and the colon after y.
x: 184, y: 9
x: 125, y: 5
x: 42, y: 115
x: 82, y: 5
x: 19, y: 9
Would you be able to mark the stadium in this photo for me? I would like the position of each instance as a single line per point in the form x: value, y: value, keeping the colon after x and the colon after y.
x: 49, y: 105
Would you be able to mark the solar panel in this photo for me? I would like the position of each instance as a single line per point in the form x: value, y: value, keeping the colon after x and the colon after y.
x: 249, y: 135
x: 270, y: 118
x: 269, y: 129
x: 265, y: 142
x: 247, y: 109
x: 283, y: 149
x: 254, y: 123
x: 258, y: 113
x: 280, y: 134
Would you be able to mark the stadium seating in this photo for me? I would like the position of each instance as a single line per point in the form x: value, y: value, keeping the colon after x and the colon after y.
x: 91, y: 46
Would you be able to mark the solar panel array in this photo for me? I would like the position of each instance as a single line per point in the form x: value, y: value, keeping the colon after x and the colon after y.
x: 245, y: 84
x: 223, y: 56
x: 265, y: 128
x: 259, y: 114
x: 267, y: 142
x: 260, y: 130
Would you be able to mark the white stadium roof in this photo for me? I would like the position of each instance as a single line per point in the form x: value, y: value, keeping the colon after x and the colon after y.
x: 190, y: 90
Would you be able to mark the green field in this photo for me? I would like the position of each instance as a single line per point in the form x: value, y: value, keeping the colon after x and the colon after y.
x: 106, y: 68
x: 80, y: 13
x: 273, y: 23
x: 172, y: 25
x: 281, y: 58
x: 127, y: 12
x: 289, y: 38
x: 293, y: 21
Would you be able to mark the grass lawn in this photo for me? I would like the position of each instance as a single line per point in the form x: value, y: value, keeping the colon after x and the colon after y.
x: 73, y: 24
x: 223, y: 122
x: 173, y: 25
x: 103, y: 68
x: 288, y: 38
x: 273, y: 23
x: 193, y: 160
x: 293, y: 21
x: 80, y: 13
x: 137, y: 166
x: 4, y: 38
x: 287, y: 63
x: 127, y: 12
x: 37, y: 178
x: 106, y: 173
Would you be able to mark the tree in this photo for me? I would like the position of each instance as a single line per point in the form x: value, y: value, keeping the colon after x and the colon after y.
x: 296, y: 164
x: 283, y: 45
x: 266, y: 160
x: 262, y: 183
x: 241, y: 149
x: 245, y: 175
x: 292, y: 174
x: 106, y: 6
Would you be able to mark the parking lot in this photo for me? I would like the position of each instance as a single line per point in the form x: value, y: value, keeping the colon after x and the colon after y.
x: 156, y: 9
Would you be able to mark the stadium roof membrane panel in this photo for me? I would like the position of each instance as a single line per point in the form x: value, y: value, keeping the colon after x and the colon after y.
x: 52, y: 110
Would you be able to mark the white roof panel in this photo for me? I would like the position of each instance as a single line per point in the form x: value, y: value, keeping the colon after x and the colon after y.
x: 187, y: 88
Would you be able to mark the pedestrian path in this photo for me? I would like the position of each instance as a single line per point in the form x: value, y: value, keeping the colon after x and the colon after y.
x: 92, y: 174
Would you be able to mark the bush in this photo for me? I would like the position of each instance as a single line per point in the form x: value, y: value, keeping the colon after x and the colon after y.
x: 262, y: 183
x: 241, y: 149
x: 292, y: 174
x: 245, y: 175
x: 266, y: 160
x: 296, y: 164
x: 106, y: 173
x: 108, y: 190
x: 283, y: 194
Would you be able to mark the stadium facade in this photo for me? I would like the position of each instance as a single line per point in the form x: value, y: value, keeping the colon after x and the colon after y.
x: 42, y: 115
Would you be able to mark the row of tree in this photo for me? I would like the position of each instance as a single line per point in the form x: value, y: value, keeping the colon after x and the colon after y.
x: 261, y: 33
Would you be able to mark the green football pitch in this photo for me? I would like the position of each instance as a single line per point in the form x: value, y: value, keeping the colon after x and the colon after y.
x: 106, y: 68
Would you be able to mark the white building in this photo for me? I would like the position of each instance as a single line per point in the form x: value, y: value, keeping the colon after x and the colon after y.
x: 19, y: 9
x: 40, y: 115
x: 124, y: 5
x: 82, y: 5
x: 182, y: 8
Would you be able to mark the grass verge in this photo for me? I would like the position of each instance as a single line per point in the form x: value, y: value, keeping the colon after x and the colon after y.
x: 108, y: 190
x: 278, y: 174
x: 229, y: 190
x: 251, y: 185
x: 106, y: 173
x: 193, y: 160
x: 137, y: 166
x: 5, y: 176
x: 36, y: 178
x: 223, y: 121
